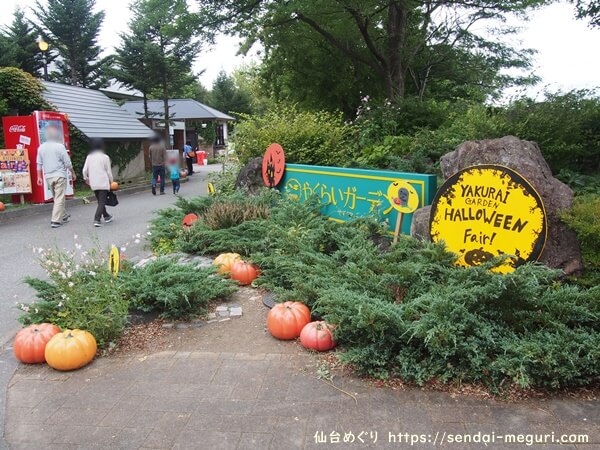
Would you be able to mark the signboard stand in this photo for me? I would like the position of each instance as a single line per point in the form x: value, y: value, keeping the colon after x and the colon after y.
x: 399, y: 222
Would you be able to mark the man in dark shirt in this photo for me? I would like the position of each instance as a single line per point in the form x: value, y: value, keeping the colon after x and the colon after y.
x: 158, y: 159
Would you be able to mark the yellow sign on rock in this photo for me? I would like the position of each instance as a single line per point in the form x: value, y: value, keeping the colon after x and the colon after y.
x: 486, y: 211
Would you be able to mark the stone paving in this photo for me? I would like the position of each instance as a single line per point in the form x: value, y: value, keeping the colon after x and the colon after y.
x: 209, y: 400
x: 232, y: 386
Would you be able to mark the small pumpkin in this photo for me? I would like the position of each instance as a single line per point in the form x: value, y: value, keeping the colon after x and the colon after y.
x: 317, y: 336
x: 2, y: 207
x: 30, y: 343
x: 286, y: 320
x: 225, y: 261
x: 244, y: 272
x: 183, y: 174
x: 114, y: 186
x: 189, y: 220
x: 70, y: 350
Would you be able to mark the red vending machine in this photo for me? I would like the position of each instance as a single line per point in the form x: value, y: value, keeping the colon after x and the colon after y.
x: 30, y: 132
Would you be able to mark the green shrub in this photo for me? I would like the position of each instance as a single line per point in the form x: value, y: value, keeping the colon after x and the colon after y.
x: 224, y: 180
x: 584, y: 218
x: 414, y: 135
x: 320, y: 138
x: 228, y: 214
x: 20, y: 94
x: 175, y: 290
x: 410, y: 312
x: 78, y: 294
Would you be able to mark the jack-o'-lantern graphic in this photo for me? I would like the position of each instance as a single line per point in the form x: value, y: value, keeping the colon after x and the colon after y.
x: 403, y: 197
x: 273, y: 165
x: 477, y: 257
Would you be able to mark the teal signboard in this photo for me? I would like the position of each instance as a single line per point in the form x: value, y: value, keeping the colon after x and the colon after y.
x: 351, y: 193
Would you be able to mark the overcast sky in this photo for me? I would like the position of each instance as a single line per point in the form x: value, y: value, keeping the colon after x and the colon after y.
x: 565, y: 46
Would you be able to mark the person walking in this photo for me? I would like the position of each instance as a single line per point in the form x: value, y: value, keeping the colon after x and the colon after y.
x: 53, y: 165
x: 97, y: 172
x: 189, y: 154
x: 175, y: 176
x: 158, y: 158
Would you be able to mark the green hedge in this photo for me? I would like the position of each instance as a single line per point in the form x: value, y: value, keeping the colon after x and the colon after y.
x: 409, y: 312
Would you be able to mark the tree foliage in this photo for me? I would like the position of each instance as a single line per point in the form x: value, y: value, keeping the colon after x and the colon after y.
x: 20, y: 94
x: 590, y: 10
x: 76, y: 40
x: 19, y: 46
x: 161, y: 40
x: 402, y: 46
x: 227, y: 96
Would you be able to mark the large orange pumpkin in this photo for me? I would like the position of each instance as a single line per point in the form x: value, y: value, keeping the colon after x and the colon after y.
x: 317, y: 336
x: 70, y: 350
x: 30, y: 342
x: 2, y: 207
x: 114, y: 186
x: 286, y: 320
x: 225, y: 261
x: 243, y: 272
x: 189, y: 220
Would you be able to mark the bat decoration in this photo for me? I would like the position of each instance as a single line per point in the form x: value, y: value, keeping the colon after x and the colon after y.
x: 273, y: 165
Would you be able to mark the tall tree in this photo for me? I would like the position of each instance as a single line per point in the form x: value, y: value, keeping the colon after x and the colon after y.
x: 167, y: 30
x: 131, y: 64
x: 227, y: 96
x: 590, y: 10
x: 385, y: 36
x: 21, y: 46
x: 72, y: 28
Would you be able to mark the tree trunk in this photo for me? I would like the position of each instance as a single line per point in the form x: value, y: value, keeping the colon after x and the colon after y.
x: 165, y: 89
x: 73, y: 75
x: 395, y: 79
x: 146, y: 113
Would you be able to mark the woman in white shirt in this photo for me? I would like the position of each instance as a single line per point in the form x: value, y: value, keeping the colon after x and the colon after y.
x: 97, y: 172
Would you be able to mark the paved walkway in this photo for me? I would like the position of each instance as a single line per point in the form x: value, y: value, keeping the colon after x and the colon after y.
x: 229, y: 385
x: 19, y: 235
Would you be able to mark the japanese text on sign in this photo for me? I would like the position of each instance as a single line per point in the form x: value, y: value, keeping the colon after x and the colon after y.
x: 347, y: 193
x: 15, y: 175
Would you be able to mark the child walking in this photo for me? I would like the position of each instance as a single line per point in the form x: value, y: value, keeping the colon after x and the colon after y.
x: 174, y: 174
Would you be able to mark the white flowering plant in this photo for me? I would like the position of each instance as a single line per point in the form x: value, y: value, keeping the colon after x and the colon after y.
x: 80, y: 292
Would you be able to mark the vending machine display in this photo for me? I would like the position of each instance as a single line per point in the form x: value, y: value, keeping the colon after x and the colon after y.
x: 29, y: 132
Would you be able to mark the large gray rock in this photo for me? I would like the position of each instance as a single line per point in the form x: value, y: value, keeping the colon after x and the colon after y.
x: 419, y: 226
x: 250, y: 176
x: 562, y: 248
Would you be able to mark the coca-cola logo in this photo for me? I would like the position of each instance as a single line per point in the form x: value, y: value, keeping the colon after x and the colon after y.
x: 17, y: 129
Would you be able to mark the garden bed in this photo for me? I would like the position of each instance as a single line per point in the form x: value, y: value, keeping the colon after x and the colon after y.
x: 406, y: 311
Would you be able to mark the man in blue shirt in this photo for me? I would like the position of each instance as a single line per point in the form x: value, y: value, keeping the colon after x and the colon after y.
x: 189, y: 154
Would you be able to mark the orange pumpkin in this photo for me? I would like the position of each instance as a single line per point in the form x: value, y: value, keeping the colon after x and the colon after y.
x: 70, y: 350
x: 286, y: 320
x: 30, y: 342
x: 183, y: 174
x: 317, y: 336
x: 189, y: 220
x: 243, y: 272
x: 225, y: 261
x: 2, y: 207
x: 114, y: 186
